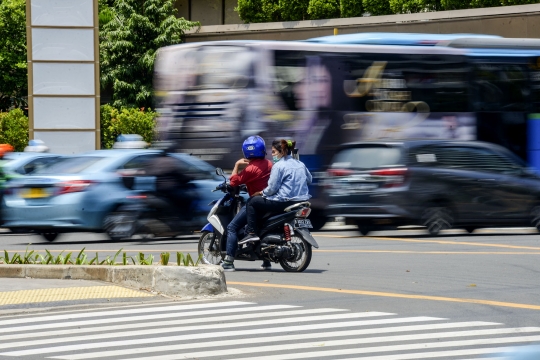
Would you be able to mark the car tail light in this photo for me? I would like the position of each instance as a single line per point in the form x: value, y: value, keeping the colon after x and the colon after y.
x: 393, y: 177
x: 339, y: 172
x: 303, y: 213
x: 73, y: 186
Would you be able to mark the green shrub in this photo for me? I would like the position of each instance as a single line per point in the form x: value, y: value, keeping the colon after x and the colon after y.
x: 455, y: 4
x: 126, y: 121
x: 14, y: 129
x: 485, y: 3
x: 294, y: 10
x: 252, y: 11
x: 323, y: 9
x: 351, y: 8
x: 377, y: 7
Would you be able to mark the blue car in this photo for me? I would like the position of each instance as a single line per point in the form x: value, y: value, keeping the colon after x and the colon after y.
x: 77, y: 193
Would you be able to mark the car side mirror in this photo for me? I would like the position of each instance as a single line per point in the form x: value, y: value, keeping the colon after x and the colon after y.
x: 219, y: 171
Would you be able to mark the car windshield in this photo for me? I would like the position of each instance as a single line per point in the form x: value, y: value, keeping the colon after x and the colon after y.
x: 71, y: 165
x: 367, y: 157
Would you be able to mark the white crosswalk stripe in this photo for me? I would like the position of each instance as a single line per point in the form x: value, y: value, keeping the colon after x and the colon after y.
x: 248, y: 331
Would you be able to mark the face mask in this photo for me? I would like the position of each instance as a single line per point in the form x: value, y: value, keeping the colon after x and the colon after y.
x: 275, y: 159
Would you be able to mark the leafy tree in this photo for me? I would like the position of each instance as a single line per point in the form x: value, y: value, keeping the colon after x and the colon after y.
x: 455, y: 4
x: 484, y: 3
x: 13, y: 62
x: 323, y: 9
x: 414, y: 6
x: 128, y: 45
x: 259, y: 11
x: 377, y: 7
x: 294, y: 10
x: 14, y: 129
x: 115, y: 122
x: 351, y: 8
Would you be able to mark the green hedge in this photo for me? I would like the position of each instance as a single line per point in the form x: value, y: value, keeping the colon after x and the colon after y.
x: 14, y: 129
x: 294, y: 10
x: 126, y: 121
x: 323, y: 9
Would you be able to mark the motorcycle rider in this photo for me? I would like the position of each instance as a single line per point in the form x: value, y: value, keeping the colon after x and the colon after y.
x: 255, y: 176
x: 288, y: 185
x: 172, y: 182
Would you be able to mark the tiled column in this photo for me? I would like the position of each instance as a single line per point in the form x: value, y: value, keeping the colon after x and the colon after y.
x: 63, y: 74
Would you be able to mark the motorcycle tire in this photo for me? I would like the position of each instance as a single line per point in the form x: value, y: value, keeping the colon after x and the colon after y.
x: 209, y: 256
x: 303, y: 262
x: 120, y: 225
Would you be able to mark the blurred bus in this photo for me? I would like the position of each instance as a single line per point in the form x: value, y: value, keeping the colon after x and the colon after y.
x: 213, y: 95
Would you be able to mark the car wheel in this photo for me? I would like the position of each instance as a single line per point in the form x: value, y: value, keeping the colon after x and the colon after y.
x: 436, y: 219
x: 49, y: 236
x: 364, y: 228
x: 120, y: 225
x: 469, y: 229
x: 535, y: 217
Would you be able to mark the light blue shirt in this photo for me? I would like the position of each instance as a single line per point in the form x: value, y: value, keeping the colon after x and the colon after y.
x: 288, y: 181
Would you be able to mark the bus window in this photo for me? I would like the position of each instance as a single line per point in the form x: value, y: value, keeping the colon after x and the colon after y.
x: 289, y: 74
x: 224, y: 67
x: 501, y: 87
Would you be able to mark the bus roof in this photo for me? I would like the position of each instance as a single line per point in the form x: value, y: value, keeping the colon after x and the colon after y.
x: 322, y: 47
x: 493, y: 43
x: 382, y: 38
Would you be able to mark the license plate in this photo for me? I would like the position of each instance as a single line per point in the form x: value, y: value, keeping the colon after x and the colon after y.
x: 303, y: 223
x: 34, y: 193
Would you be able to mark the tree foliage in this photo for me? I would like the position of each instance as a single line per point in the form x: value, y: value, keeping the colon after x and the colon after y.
x: 294, y: 10
x: 351, y: 8
x: 14, y: 129
x: 259, y: 11
x: 13, y: 65
x: 115, y: 122
x: 323, y: 9
x: 377, y: 7
x: 129, y: 39
x: 414, y: 6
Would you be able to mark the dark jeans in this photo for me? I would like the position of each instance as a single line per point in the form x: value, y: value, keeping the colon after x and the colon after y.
x: 239, y: 221
x: 258, y: 206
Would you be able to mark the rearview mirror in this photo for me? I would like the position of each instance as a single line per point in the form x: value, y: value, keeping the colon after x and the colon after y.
x: 219, y: 171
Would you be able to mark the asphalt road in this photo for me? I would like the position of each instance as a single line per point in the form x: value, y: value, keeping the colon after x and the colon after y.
x: 491, y: 275
x: 391, y: 295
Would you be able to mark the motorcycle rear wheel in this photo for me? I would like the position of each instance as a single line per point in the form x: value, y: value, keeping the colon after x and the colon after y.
x: 120, y: 225
x: 303, y: 261
x: 209, y: 256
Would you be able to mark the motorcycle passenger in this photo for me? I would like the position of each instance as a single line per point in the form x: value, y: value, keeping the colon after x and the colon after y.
x: 255, y: 177
x: 288, y: 185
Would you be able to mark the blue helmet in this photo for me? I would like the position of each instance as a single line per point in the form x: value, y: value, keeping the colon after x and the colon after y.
x: 254, y: 147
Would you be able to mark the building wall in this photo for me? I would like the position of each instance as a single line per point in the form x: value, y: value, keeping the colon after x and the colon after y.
x: 508, y: 21
x: 209, y: 12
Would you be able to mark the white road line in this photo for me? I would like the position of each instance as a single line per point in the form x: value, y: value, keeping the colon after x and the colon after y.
x: 186, y: 318
x: 181, y: 322
x: 122, y: 312
x: 288, y: 338
x: 218, y: 334
x: 436, y: 354
x: 338, y: 352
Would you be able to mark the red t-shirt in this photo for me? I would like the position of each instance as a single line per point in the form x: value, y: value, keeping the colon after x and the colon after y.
x: 255, y: 176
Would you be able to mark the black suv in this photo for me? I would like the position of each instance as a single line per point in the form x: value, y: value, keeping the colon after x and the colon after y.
x: 436, y: 184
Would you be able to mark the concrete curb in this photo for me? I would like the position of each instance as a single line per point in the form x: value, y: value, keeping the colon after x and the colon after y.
x: 185, y: 281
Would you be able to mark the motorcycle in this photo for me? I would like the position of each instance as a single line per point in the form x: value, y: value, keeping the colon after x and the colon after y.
x: 147, y: 215
x: 284, y: 238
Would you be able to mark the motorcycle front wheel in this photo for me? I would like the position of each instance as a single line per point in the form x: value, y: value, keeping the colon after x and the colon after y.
x: 211, y: 253
x: 301, y: 256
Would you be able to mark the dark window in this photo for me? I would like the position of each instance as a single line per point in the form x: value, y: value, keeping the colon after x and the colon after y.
x: 477, y: 159
x: 138, y: 162
x: 501, y: 87
x: 72, y: 165
x: 368, y: 157
x: 36, y: 165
